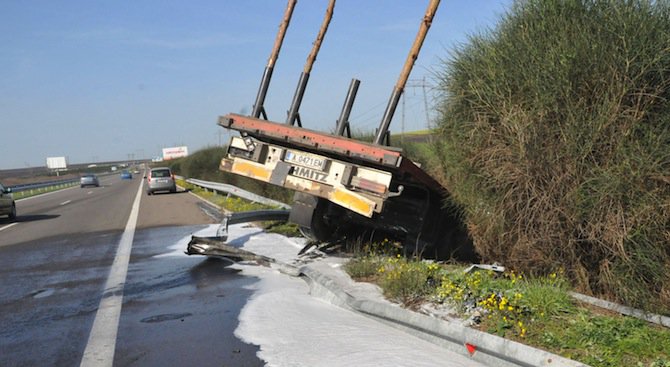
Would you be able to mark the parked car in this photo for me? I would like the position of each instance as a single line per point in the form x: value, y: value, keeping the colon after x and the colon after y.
x: 7, y: 204
x: 126, y: 175
x: 160, y: 179
x: 89, y: 179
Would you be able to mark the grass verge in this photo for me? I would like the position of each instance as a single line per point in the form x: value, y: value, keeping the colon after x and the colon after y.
x: 535, y: 311
x: 43, y: 190
x: 235, y: 204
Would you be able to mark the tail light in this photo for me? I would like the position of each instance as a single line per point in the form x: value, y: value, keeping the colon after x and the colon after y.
x: 368, y: 185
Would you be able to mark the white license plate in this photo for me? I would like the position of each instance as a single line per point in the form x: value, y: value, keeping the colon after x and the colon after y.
x: 306, y: 160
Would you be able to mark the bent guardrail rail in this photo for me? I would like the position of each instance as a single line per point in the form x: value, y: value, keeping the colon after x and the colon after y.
x: 236, y: 191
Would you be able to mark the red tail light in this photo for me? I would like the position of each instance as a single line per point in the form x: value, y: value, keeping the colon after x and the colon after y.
x: 368, y: 185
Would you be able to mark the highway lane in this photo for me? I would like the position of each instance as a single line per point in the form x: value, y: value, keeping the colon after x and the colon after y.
x: 53, y: 264
x: 72, y: 211
x: 55, y: 261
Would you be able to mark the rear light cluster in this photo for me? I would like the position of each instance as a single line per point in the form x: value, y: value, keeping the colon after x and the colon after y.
x: 368, y: 185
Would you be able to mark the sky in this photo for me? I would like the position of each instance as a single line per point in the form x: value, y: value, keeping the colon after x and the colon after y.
x: 97, y: 81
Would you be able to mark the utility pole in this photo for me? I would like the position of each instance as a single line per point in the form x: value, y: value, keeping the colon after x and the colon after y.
x: 418, y: 83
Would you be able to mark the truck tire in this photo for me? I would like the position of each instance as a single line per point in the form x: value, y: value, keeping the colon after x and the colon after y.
x: 12, y: 214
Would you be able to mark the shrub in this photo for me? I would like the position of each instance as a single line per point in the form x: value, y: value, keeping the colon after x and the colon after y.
x: 204, y: 165
x: 555, y: 139
x: 407, y: 281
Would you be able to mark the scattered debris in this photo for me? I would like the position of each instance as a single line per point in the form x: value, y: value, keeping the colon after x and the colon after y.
x: 494, y: 267
x: 216, y: 246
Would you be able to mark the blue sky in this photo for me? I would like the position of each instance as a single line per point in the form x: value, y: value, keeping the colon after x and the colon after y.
x: 105, y: 80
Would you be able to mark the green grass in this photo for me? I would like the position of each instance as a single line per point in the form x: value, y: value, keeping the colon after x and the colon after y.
x: 43, y: 190
x: 553, y: 137
x: 236, y: 204
x: 537, y: 311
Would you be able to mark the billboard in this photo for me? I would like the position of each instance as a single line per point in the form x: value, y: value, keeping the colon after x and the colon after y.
x: 175, y: 152
x: 56, y: 163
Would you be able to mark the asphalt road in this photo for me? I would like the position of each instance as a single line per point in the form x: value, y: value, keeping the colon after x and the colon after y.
x: 56, y: 263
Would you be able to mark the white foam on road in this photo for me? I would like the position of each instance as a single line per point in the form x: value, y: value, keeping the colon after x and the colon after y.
x: 102, y: 340
x: 178, y: 248
x: 293, y: 328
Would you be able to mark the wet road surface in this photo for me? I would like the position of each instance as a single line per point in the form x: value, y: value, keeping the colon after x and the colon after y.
x: 54, y: 263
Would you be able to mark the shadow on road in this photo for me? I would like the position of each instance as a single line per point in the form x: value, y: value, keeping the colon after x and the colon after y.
x: 158, y: 193
x: 35, y: 217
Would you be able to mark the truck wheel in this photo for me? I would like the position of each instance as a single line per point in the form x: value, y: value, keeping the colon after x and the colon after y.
x: 12, y: 214
x: 321, y: 227
x: 313, y: 216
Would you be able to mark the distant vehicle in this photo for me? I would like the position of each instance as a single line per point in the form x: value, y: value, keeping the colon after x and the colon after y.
x: 125, y: 175
x: 160, y: 179
x: 7, y: 205
x: 89, y: 179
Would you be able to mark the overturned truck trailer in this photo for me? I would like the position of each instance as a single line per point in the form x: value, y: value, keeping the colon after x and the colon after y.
x: 345, y: 187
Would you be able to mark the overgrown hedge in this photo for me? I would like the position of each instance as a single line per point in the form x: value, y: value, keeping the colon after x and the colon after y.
x: 555, y: 139
x: 204, y: 165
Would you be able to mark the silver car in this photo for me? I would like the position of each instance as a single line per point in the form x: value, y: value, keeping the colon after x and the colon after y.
x: 89, y: 179
x: 160, y: 179
x: 7, y: 205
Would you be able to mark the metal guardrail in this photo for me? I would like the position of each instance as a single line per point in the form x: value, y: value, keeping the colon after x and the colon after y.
x: 234, y: 190
x: 52, y: 183
x: 41, y: 185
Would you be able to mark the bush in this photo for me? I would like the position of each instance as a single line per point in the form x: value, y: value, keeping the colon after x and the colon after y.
x: 406, y: 281
x: 204, y: 165
x: 555, y: 139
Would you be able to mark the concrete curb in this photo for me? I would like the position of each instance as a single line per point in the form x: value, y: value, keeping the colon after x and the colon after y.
x: 624, y: 310
x: 488, y: 349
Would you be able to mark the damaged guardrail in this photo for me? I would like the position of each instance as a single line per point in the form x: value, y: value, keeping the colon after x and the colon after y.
x: 236, y: 191
x: 217, y: 246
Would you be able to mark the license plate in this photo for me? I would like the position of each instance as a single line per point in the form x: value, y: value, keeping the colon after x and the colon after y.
x: 306, y: 160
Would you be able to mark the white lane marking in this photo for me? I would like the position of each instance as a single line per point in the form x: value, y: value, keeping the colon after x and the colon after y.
x: 102, y: 340
x: 65, y: 202
x: 89, y: 193
x: 7, y: 226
